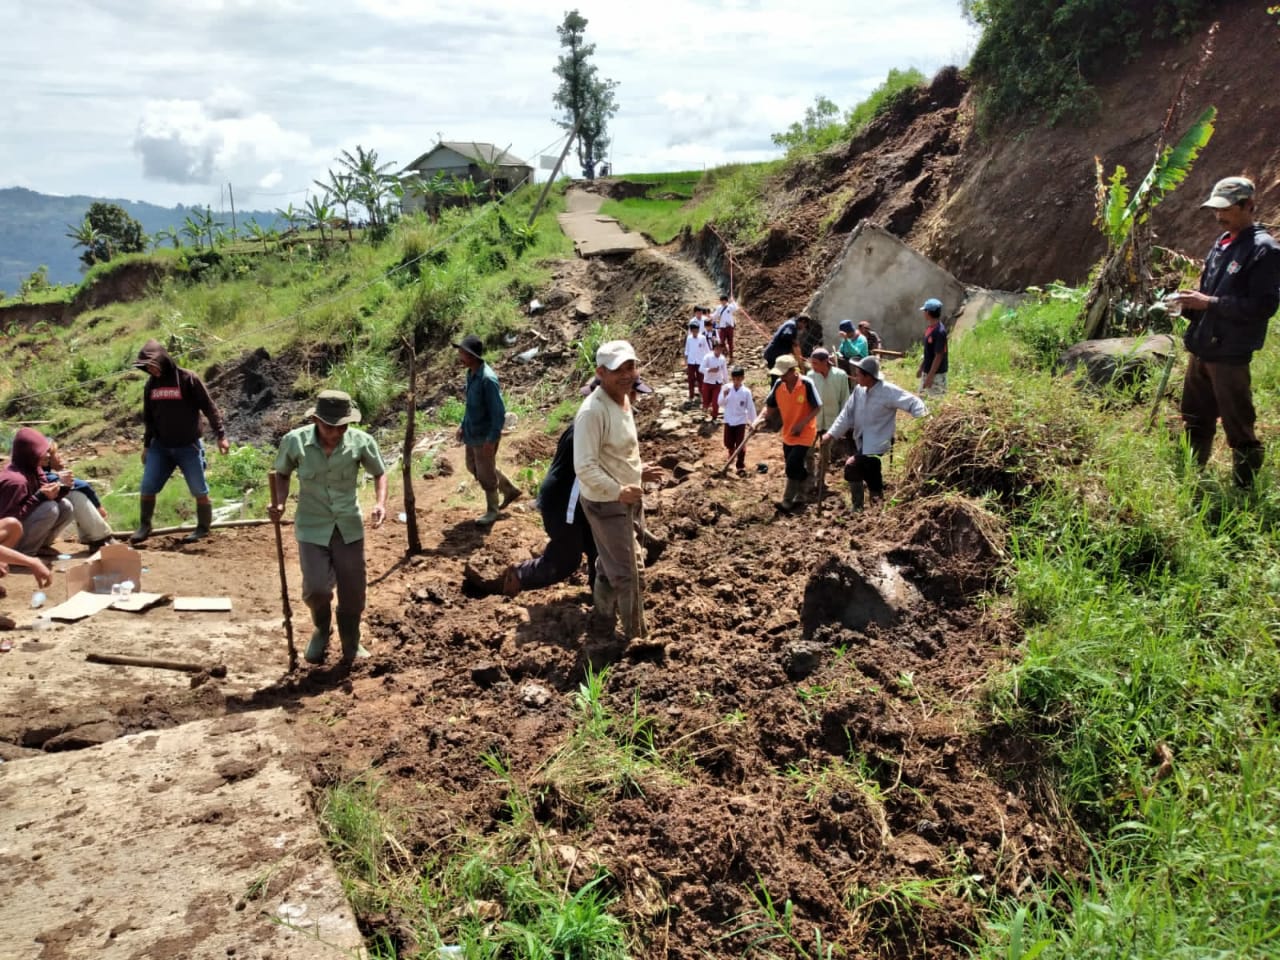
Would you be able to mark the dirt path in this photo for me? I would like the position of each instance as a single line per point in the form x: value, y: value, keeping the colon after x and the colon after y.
x: 811, y: 689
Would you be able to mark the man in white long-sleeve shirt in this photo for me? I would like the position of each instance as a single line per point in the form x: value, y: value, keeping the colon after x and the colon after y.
x: 606, y: 458
x: 870, y: 418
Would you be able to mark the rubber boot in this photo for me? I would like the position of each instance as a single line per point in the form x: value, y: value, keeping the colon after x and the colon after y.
x: 204, y: 520
x: 631, y: 612
x: 491, y: 514
x: 856, y: 494
x: 147, y: 513
x: 510, y: 492
x: 604, y: 604
x: 319, y: 642
x: 1244, y: 465
x: 349, y: 634
x: 788, y: 501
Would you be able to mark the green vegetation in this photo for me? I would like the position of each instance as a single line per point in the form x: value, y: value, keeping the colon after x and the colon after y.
x: 662, y: 212
x: 499, y: 890
x: 1149, y: 674
x: 346, y: 306
x: 585, y: 99
x: 823, y: 126
x: 1037, y: 59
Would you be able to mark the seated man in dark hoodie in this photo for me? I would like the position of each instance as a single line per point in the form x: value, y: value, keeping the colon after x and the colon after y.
x: 39, y: 506
x: 172, y: 402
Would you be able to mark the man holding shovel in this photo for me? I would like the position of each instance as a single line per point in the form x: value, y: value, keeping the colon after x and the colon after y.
x: 328, y: 523
x: 606, y: 458
x: 798, y: 404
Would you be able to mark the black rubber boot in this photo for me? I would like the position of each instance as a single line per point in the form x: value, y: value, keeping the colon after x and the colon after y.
x: 204, y: 520
x: 147, y: 512
x: 856, y: 494
x: 1244, y: 466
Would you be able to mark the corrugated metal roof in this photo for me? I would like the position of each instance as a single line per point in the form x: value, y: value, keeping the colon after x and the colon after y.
x: 474, y: 151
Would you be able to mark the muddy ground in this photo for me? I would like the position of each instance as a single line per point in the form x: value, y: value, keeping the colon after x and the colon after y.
x: 814, y: 681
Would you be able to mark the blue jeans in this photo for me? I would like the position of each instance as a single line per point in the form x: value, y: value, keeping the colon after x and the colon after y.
x: 160, y: 465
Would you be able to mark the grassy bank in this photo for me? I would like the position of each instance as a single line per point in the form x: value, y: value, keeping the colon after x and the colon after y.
x: 1148, y: 592
x: 341, y: 309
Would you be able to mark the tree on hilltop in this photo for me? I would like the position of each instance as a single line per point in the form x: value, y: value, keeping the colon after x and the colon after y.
x: 586, y: 99
x: 105, y: 231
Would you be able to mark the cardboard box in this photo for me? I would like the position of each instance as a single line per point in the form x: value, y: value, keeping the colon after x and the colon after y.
x: 116, y: 560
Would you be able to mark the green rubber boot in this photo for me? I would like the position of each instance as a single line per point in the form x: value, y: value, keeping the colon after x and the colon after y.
x: 319, y: 642
x: 491, y: 514
x: 147, y: 512
x: 349, y: 634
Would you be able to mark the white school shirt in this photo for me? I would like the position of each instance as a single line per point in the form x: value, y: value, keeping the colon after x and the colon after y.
x: 724, y: 314
x: 737, y: 406
x: 714, y: 369
x: 695, y: 348
x: 702, y: 327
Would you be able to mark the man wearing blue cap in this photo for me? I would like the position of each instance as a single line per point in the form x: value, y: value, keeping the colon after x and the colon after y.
x: 933, y: 365
x: 1239, y: 291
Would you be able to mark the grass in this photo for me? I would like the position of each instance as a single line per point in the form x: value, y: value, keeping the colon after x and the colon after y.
x: 659, y: 220
x: 1149, y: 676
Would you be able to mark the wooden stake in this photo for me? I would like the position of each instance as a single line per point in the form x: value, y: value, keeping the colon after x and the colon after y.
x: 217, y: 670
x: 406, y: 458
x: 277, y: 507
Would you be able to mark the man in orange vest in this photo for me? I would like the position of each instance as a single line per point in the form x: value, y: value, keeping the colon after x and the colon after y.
x: 797, y: 402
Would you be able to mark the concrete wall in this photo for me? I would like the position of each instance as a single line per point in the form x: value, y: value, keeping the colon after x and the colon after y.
x: 881, y: 279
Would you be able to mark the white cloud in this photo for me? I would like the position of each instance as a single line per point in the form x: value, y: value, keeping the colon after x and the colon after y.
x: 201, y: 141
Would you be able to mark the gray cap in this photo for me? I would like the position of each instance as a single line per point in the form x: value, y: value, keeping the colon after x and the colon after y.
x: 1228, y: 192
x: 870, y: 366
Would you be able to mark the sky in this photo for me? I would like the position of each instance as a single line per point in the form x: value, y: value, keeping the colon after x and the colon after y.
x: 170, y: 102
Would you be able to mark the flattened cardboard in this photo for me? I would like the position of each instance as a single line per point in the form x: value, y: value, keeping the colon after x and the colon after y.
x: 115, y: 558
x: 207, y: 604
x: 138, y: 602
x: 83, y: 604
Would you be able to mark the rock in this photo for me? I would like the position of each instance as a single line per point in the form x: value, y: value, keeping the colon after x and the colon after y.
x: 802, y: 658
x: 89, y: 735
x: 684, y: 469
x: 535, y: 695
x: 486, y: 673
x: 1118, y: 362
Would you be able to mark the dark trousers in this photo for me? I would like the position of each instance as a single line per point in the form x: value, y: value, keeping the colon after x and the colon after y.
x: 563, y: 552
x: 1212, y: 390
x: 795, y: 456
x: 726, y: 337
x: 733, y: 437
x: 864, y: 469
x: 694, y: 373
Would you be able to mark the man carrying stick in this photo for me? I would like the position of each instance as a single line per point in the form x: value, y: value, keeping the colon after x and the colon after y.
x: 328, y: 523
x: 606, y: 458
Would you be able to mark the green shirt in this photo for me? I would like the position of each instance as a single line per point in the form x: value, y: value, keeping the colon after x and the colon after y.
x: 327, y: 482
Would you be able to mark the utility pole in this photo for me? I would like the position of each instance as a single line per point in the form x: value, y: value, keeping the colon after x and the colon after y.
x: 554, y: 173
x: 233, y: 210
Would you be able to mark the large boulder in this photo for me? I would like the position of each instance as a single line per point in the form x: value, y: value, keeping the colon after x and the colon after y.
x: 1121, y: 362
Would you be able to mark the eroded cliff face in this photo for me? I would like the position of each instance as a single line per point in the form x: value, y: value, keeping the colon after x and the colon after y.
x: 1011, y: 209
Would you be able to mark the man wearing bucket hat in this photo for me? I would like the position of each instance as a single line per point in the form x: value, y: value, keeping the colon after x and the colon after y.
x: 611, y: 478
x: 328, y: 524
x: 933, y: 365
x: 1239, y: 291
x: 797, y: 402
x: 870, y: 418
x: 481, y: 429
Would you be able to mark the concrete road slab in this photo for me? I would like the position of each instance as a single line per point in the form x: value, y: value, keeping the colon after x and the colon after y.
x: 194, y: 842
x: 594, y: 235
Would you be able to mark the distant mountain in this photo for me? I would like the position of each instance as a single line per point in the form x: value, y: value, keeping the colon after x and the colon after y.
x: 34, y: 227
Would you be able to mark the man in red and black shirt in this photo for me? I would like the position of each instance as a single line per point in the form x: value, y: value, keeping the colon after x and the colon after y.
x: 172, y: 402
x: 1228, y: 314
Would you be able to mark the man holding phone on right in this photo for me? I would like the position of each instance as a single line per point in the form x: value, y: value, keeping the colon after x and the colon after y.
x: 1228, y: 315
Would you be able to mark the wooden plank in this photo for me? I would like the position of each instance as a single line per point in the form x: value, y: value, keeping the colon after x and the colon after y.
x: 207, y: 604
